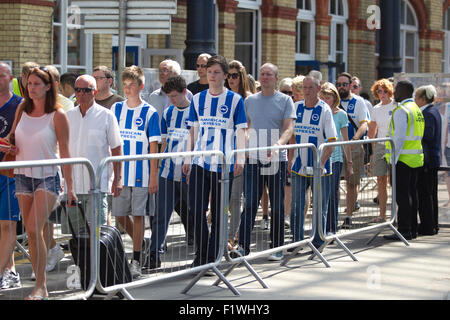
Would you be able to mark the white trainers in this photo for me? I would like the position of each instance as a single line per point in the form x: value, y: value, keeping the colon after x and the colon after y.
x: 54, y: 256
x: 277, y: 256
x: 135, y: 269
x: 265, y: 224
x: 10, y: 280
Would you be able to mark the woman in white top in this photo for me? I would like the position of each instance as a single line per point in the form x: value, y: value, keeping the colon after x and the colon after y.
x: 41, y: 128
x: 382, y: 90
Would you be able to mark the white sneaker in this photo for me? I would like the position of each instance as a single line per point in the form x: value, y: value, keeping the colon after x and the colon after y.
x: 54, y: 256
x: 265, y: 224
x: 135, y: 269
x: 10, y: 280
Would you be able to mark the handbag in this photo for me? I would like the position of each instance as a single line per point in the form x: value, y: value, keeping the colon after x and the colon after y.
x: 9, y: 157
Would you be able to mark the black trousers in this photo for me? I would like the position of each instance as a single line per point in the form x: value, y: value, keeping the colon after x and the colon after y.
x: 427, y: 195
x: 406, y: 191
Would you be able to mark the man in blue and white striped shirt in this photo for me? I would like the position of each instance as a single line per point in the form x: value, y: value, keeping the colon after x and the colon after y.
x: 218, y: 121
x: 172, y: 181
x: 139, y: 129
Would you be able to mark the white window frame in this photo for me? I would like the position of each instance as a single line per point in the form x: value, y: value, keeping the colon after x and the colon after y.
x: 64, y: 25
x: 335, y: 20
x: 307, y: 16
x: 254, y: 7
x: 446, y: 44
x: 404, y: 29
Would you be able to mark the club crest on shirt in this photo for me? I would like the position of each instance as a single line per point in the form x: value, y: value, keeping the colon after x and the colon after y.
x: 223, y: 109
x: 138, y: 122
x: 315, y: 117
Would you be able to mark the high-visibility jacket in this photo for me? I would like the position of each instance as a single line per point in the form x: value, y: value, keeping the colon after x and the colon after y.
x: 17, y: 87
x: 412, y: 153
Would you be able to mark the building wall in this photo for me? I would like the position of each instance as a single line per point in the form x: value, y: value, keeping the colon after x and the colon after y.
x: 26, y: 35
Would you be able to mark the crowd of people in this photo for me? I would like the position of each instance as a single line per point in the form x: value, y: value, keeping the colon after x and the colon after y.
x: 48, y: 116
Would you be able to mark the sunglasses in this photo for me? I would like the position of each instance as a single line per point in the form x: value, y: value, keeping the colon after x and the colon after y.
x: 289, y: 93
x: 201, y: 65
x: 355, y: 86
x: 342, y: 84
x: 85, y: 90
x: 233, y: 75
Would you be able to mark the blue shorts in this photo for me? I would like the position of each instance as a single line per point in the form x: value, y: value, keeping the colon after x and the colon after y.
x: 9, y: 207
x: 26, y: 185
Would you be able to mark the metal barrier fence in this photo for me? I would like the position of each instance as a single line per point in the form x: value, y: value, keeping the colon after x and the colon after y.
x: 173, y: 249
x: 62, y: 283
x: 363, y: 219
x: 176, y: 249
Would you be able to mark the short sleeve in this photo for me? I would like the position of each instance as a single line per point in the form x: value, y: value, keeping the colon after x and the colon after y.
x: 193, y: 117
x: 239, y: 117
x: 114, y: 138
x: 153, y: 130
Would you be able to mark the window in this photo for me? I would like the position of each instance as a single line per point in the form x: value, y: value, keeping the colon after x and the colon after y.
x: 409, y: 38
x: 305, y: 30
x: 446, y: 46
x: 337, y: 49
x: 71, y: 45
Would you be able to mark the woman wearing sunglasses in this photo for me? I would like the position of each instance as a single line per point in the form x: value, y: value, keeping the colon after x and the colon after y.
x: 41, y: 129
x: 378, y: 128
x: 237, y: 81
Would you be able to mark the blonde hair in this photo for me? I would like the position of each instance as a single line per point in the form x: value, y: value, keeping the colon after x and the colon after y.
x: 329, y: 89
x: 428, y: 92
x: 297, y: 83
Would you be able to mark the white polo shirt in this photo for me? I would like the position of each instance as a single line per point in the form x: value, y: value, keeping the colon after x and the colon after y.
x: 92, y: 137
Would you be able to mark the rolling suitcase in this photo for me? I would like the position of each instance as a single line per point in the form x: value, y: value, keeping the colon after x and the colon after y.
x: 113, y: 268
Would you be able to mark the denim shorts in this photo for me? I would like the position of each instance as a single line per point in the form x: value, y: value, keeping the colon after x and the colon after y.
x: 27, y: 185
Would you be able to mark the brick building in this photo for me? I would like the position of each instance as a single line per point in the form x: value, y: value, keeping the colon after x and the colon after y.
x: 296, y: 35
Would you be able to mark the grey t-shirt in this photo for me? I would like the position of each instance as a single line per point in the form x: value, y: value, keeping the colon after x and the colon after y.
x: 266, y: 115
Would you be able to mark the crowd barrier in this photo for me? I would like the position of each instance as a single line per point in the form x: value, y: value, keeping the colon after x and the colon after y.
x: 366, y: 218
x: 177, y: 253
x: 66, y: 286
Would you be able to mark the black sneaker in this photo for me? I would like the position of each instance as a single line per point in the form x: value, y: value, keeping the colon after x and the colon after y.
x: 347, y: 223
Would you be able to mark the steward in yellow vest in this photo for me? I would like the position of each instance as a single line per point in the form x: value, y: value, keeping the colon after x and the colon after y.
x: 411, y: 152
x: 406, y: 129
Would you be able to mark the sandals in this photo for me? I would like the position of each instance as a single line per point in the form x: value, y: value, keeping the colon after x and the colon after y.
x: 378, y: 220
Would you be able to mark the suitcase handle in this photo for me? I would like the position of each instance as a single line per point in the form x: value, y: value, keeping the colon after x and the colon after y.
x: 63, y: 205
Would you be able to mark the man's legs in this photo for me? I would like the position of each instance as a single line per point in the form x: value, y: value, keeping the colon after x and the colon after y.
x: 253, y: 186
x: 199, y: 189
x: 299, y: 184
x: 276, y: 186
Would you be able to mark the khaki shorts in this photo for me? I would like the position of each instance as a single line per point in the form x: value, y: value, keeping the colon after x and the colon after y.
x: 131, y: 202
x: 380, y: 166
x: 358, y: 162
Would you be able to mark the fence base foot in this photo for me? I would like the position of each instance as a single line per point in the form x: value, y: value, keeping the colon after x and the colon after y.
x: 344, y: 247
x: 249, y: 268
x: 318, y: 254
x: 221, y: 278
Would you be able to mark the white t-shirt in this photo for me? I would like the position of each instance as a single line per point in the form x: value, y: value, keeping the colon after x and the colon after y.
x: 356, y: 108
x: 381, y: 114
x: 92, y: 137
